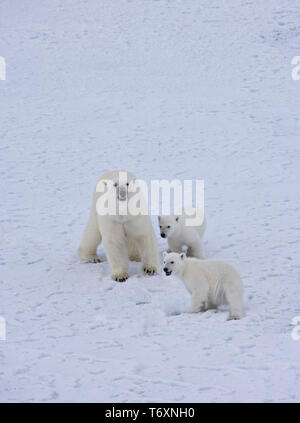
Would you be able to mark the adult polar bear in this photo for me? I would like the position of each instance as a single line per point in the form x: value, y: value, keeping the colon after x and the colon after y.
x: 124, y: 236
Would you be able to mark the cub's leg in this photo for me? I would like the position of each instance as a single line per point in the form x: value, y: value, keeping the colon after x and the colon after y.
x: 199, y: 299
x: 198, y: 303
x: 115, y: 246
x: 174, y: 246
x: 196, y: 250
x: 234, y: 297
x: 91, y: 238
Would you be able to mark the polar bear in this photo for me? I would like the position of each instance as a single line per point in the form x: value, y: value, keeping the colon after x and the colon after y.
x: 211, y: 282
x: 124, y: 235
x: 177, y: 231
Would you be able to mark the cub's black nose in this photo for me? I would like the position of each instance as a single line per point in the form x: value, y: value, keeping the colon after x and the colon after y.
x: 163, y: 235
x: 165, y: 269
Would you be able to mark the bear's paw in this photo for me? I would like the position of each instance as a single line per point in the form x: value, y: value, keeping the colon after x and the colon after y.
x: 120, y: 277
x: 149, y: 270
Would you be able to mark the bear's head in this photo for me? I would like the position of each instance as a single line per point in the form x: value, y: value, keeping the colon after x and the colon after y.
x: 121, y: 185
x: 172, y: 262
x: 167, y: 225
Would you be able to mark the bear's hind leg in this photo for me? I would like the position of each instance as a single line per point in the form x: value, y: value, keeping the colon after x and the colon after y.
x: 234, y: 298
x: 133, y: 252
x: 91, y: 238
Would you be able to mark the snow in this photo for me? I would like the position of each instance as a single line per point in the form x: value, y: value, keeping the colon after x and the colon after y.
x: 165, y: 89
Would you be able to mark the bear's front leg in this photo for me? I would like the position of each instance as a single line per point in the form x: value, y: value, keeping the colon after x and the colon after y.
x: 199, y: 302
x: 139, y: 229
x: 115, y: 246
x: 148, y: 248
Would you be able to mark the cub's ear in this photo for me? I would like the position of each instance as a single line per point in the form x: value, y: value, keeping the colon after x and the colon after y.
x: 182, y: 256
x: 164, y: 254
x: 159, y: 217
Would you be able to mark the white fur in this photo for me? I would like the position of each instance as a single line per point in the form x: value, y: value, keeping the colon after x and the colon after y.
x: 211, y: 282
x: 123, y: 237
x: 179, y: 235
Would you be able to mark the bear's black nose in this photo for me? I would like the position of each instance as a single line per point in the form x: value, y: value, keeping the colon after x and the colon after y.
x: 163, y: 235
x: 165, y: 269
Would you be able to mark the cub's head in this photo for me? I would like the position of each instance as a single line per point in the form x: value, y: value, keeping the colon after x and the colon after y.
x: 167, y: 225
x: 173, y: 262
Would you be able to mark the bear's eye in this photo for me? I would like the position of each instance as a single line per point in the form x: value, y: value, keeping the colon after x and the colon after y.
x: 160, y: 227
x: 115, y: 184
x: 168, y: 227
x: 172, y: 262
x: 127, y: 183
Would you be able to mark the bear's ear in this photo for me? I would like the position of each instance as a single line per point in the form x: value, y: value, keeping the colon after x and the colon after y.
x: 182, y: 256
x: 159, y: 218
x: 164, y: 254
x: 133, y: 183
x: 100, y: 187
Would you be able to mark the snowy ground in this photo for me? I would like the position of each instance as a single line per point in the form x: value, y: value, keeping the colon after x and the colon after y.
x: 166, y: 89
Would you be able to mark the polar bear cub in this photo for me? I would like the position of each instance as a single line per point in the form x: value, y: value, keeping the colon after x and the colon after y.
x: 180, y: 233
x: 211, y: 283
x: 125, y: 235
